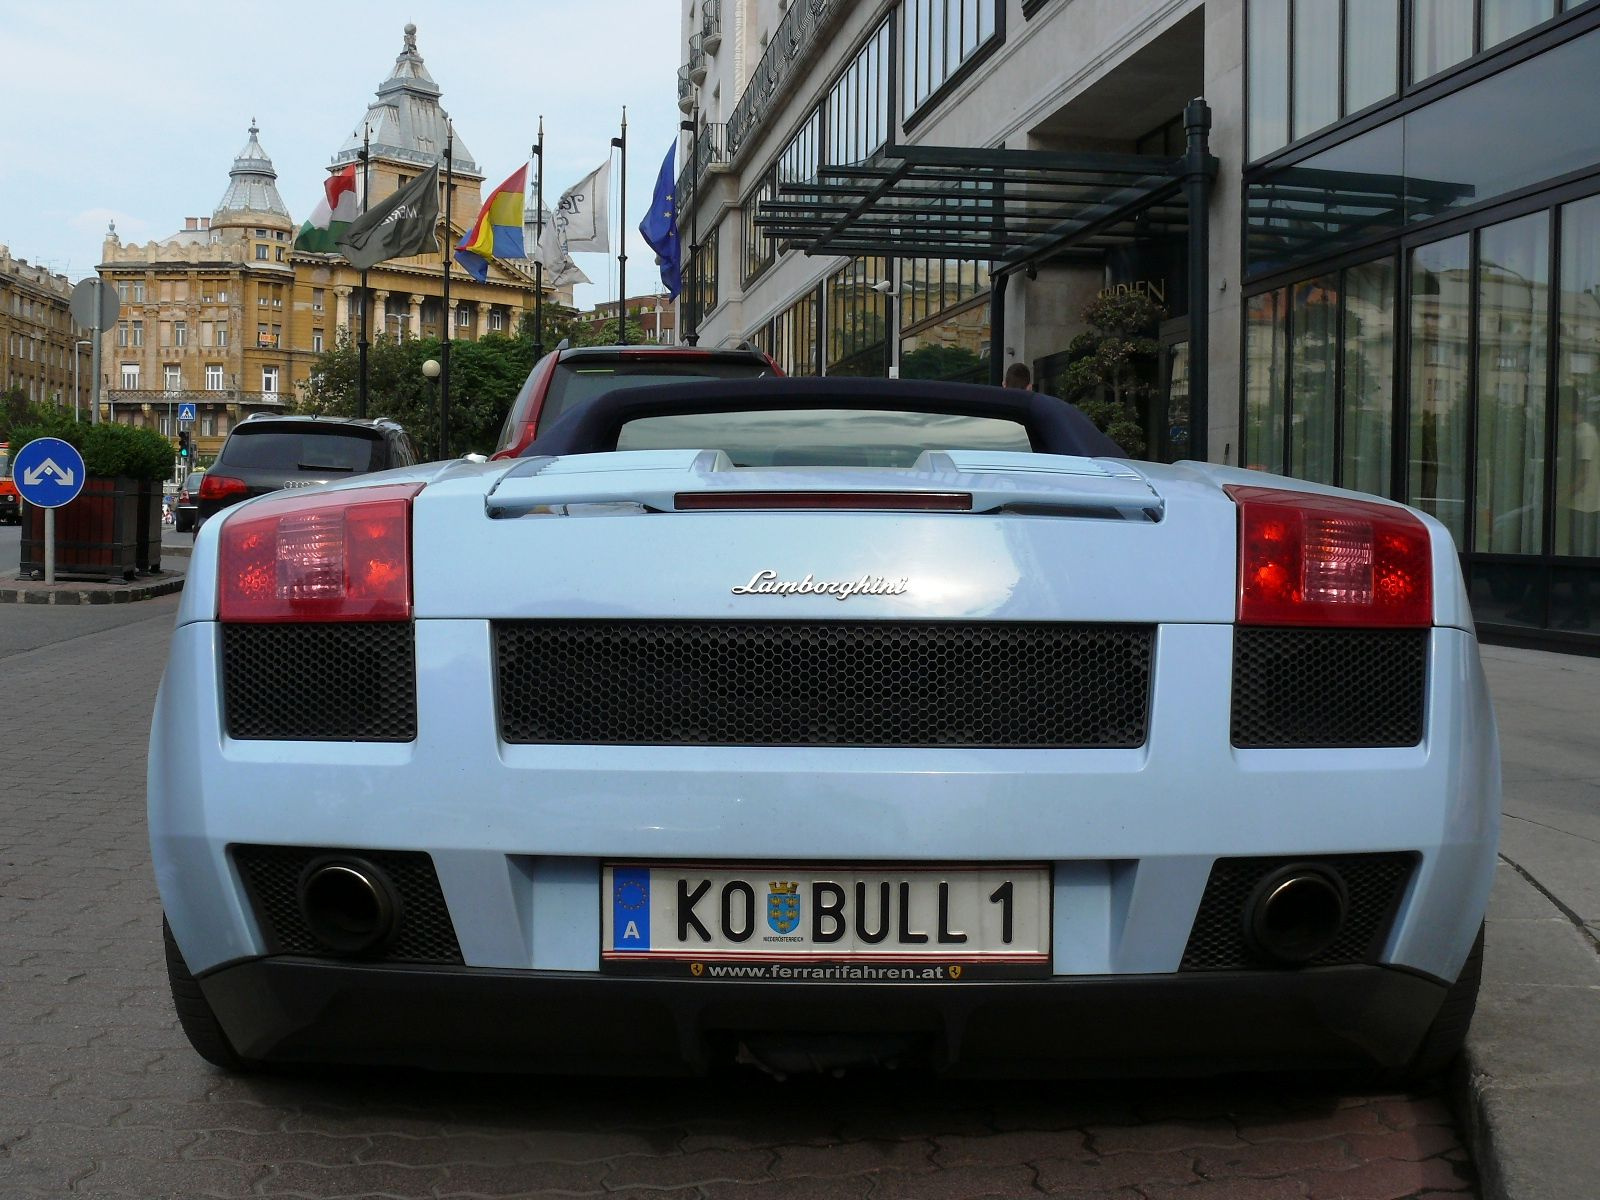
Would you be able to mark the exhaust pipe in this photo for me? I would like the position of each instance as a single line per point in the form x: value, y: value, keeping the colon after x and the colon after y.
x: 348, y: 904
x: 1296, y: 913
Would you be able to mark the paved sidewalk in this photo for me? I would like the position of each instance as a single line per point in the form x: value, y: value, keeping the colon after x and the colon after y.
x: 1531, y: 1082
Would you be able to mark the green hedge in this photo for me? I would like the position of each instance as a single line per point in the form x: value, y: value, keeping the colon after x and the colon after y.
x: 107, y: 449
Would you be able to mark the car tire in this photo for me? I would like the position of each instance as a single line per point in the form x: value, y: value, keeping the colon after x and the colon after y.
x: 1442, y: 1043
x: 200, y: 1024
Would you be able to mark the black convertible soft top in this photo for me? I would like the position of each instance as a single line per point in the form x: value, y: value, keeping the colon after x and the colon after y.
x: 1054, y: 426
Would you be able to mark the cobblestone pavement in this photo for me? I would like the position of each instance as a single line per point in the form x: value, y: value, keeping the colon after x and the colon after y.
x: 100, y: 1095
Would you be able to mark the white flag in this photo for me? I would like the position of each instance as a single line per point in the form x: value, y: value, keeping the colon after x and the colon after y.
x: 580, y: 220
x: 559, y: 269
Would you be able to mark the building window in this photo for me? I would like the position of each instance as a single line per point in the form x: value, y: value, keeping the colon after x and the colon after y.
x: 317, y: 300
x: 463, y: 317
x: 261, y: 253
x: 939, y: 36
x: 757, y: 250
x: 269, y: 380
x: 316, y: 341
x: 137, y: 334
x: 130, y: 377
x: 280, y: 253
x: 122, y: 334
x: 180, y: 333
x: 222, y: 335
x: 208, y: 425
x: 213, y: 377
x: 796, y: 335
x: 172, y: 379
x: 497, y: 319
x: 703, y: 270
x: 222, y: 296
x: 944, y: 319
x: 857, y: 319
x: 858, y: 104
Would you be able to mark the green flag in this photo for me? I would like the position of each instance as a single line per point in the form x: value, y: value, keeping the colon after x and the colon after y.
x: 404, y: 224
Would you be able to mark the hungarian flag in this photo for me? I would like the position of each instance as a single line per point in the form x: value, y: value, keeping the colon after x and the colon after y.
x: 340, y: 205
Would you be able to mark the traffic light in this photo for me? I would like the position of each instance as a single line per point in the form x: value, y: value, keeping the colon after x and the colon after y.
x: 183, y: 443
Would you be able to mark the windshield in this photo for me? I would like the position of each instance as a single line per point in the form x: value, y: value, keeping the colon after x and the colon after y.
x: 298, y: 450
x: 579, y: 381
x: 818, y: 437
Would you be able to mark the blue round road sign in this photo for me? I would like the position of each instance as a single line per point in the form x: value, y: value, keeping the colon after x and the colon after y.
x: 48, y: 472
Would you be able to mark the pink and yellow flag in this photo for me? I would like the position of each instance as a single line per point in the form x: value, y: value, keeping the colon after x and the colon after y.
x: 497, y: 233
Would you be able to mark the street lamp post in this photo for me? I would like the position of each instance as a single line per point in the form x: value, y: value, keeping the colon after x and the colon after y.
x: 431, y: 369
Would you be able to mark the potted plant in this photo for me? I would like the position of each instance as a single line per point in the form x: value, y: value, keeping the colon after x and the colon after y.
x: 114, y: 526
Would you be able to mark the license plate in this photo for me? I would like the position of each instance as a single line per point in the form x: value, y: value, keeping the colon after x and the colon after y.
x: 827, y: 924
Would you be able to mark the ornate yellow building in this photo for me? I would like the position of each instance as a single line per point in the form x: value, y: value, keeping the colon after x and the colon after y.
x: 226, y: 315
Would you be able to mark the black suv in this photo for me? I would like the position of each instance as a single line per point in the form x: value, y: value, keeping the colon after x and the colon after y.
x: 264, y: 453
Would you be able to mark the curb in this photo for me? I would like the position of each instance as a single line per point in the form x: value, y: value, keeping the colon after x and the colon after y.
x: 31, y: 592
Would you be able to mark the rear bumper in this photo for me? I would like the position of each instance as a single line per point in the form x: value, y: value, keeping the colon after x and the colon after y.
x: 467, y: 1018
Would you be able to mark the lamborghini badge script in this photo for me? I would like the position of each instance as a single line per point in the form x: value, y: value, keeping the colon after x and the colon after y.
x: 767, y: 583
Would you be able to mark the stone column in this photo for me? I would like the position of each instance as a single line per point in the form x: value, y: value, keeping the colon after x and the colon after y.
x: 414, y: 327
x: 341, y: 307
x: 450, y: 318
x: 479, y: 320
x: 380, y: 312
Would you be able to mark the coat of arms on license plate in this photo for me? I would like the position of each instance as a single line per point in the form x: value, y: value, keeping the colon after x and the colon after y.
x: 783, y: 906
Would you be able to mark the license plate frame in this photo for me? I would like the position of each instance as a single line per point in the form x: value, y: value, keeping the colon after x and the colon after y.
x: 807, y: 922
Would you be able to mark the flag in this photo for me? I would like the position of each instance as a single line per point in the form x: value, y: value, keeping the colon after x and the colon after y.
x: 406, y: 223
x: 556, y: 274
x: 660, y: 225
x: 498, y: 230
x: 579, y: 222
x: 340, y: 205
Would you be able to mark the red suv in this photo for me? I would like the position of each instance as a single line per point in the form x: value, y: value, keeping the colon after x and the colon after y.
x: 568, y: 376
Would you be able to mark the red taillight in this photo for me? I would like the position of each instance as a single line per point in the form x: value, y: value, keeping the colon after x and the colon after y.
x: 1307, y: 559
x: 340, y: 556
x: 220, y: 487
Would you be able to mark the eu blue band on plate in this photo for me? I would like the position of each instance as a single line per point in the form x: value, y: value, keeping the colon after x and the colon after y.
x: 630, y: 908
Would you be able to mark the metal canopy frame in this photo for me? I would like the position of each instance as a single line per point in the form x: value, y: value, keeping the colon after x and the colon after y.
x: 1009, y: 207
x: 1014, y: 209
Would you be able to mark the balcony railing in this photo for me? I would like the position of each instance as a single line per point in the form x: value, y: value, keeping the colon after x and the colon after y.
x: 685, y: 90
x: 697, y: 57
x: 711, y: 147
x: 160, y: 400
x: 711, y: 24
x: 787, y: 52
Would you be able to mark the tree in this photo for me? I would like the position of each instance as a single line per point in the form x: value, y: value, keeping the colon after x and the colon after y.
x: 1111, y: 370
x: 484, y: 378
x: 604, y: 333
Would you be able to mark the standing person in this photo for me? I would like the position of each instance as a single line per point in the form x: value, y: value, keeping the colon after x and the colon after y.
x: 1582, y: 502
x: 1018, y: 376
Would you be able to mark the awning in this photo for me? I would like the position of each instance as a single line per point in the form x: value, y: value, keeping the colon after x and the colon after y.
x: 1007, y: 207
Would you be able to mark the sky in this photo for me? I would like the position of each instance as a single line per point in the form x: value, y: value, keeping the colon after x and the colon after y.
x: 134, y: 110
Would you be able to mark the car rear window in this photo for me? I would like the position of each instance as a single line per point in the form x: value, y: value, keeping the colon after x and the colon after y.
x: 576, y: 382
x: 299, y: 450
x: 830, y: 437
x: 191, y: 481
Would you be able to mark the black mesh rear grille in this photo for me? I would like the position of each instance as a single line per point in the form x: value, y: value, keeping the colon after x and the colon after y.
x: 824, y: 683
x: 1328, y: 687
x: 1374, y: 884
x: 272, y: 877
x: 336, y: 682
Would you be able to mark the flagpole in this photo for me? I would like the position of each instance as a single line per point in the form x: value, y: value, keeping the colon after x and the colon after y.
x: 366, y: 296
x: 449, y: 247
x: 538, y: 258
x: 622, y: 235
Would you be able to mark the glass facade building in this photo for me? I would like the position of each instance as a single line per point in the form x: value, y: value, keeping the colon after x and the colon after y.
x: 1422, y: 282
x: 1402, y: 254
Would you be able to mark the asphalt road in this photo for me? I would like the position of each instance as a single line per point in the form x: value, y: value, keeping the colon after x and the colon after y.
x: 100, y: 1094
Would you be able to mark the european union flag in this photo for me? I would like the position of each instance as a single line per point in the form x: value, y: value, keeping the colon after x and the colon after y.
x: 630, y: 908
x: 660, y: 226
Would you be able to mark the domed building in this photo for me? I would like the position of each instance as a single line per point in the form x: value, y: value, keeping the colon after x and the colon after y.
x: 226, y: 315
x: 205, y: 312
